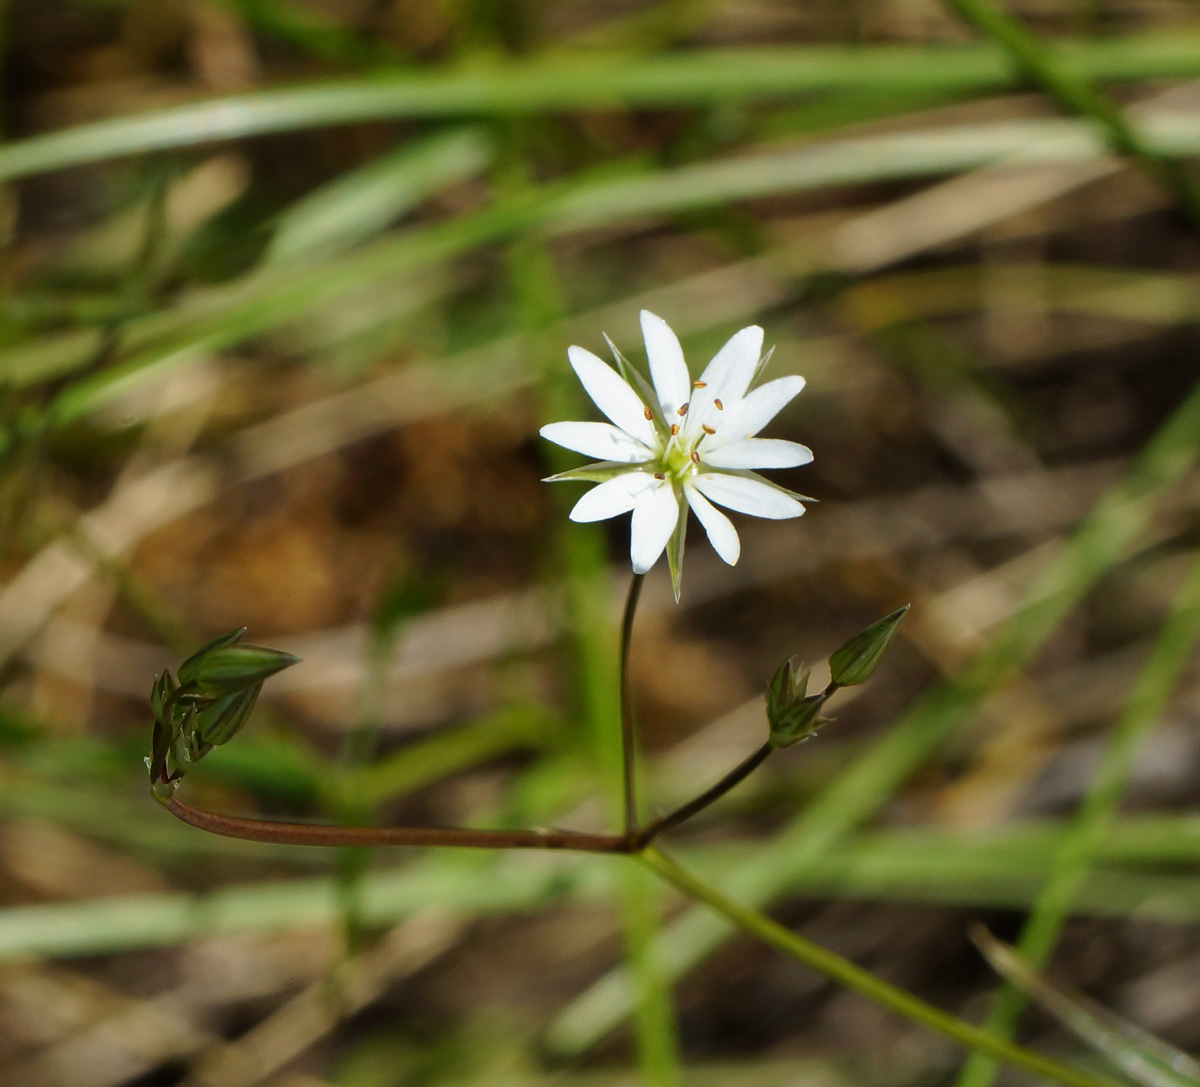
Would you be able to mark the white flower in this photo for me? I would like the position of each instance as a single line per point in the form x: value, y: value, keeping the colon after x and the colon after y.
x: 680, y: 444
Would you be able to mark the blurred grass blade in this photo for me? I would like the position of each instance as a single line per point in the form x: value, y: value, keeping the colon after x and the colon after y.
x: 1139, y: 1054
x: 592, y: 81
x: 1151, y: 694
x: 365, y: 201
x: 220, y: 317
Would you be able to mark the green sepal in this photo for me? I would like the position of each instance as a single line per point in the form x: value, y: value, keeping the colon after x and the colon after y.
x: 792, y: 713
x: 164, y: 730
x: 188, y: 669
x: 762, y: 365
x: 799, y: 722
x: 598, y: 472
x: 746, y: 473
x: 184, y: 748
x: 675, y: 552
x: 633, y: 377
x: 220, y: 720
x: 781, y: 691
x: 160, y: 746
x: 855, y: 661
x: 160, y: 694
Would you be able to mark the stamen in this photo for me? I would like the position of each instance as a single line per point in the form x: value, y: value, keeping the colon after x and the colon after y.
x: 649, y: 415
x: 700, y: 385
x: 659, y: 475
x: 707, y: 429
x: 683, y: 409
x: 674, y: 429
x: 695, y: 457
x: 720, y: 406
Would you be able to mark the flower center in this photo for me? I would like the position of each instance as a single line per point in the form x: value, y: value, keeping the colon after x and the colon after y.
x: 679, y: 459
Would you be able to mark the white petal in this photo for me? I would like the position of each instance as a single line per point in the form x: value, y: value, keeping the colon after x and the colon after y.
x: 753, y: 496
x: 668, y: 371
x: 725, y: 379
x: 729, y: 374
x: 612, y: 395
x: 654, y: 519
x: 756, y: 453
x: 747, y: 417
x: 721, y: 533
x: 601, y: 440
x: 612, y: 497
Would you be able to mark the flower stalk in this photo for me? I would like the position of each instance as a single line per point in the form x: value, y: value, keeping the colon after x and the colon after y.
x: 628, y: 731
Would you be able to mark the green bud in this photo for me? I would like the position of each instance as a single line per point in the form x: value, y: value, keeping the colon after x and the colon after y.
x: 209, y: 702
x: 219, y: 721
x: 226, y: 667
x: 855, y: 662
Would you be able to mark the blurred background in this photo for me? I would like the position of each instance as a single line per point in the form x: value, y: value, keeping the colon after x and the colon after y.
x: 288, y: 287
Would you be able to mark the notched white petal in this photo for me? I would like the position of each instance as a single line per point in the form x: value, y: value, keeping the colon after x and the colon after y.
x: 746, y: 495
x: 668, y: 370
x: 721, y: 533
x: 747, y: 417
x: 616, y: 496
x: 601, y: 440
x: 757, y: 453
x: 654, y: 519
x: 612, y: 395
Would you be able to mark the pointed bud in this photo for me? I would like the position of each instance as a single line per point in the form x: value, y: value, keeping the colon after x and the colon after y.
x: 219, y: 721
x: 855, y: 662
x: 226, y: 667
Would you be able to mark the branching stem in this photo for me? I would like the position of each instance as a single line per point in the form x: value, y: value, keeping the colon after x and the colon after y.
x: 697, y: 804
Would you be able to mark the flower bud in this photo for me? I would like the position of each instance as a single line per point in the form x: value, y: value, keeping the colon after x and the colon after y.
x: 209, y: 702
x: 855, y: 662
x: 224, y: 667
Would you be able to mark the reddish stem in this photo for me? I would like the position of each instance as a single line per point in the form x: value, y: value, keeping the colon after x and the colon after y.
x: 264, y: 830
